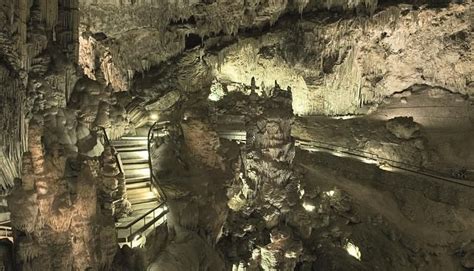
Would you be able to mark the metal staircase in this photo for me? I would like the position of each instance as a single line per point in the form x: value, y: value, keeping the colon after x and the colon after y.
x: 133, y: 152
x: 149, y: 207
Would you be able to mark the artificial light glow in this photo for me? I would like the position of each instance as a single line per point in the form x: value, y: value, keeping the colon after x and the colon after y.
x: 214, y: 97
x: 353, y: 250
x: 135, y: 138
x: 330, y: 193
x: 344, y: 117
x: 308, y: 206
x: 301, y: 193
x: 369, y: 161
x: 143, y: 154
x: 138, y: 241
x: 143, y: 171
x: 339, y: 154
x: 154, y: 116
x: 386, y: 167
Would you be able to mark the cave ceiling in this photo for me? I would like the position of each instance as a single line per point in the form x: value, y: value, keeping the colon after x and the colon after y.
x: 326, y: 50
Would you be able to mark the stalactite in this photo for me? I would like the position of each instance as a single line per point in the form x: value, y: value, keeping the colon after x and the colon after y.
x: 301, y: 5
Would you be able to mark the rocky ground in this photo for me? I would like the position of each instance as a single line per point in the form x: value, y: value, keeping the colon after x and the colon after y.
x: 399, y: 73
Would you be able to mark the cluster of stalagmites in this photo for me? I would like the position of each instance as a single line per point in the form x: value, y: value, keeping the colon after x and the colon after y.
x: 112, y: 186
x: 267, y: 187
x: 54, y: 213
x: 97, y: 106
x: 272, y: 209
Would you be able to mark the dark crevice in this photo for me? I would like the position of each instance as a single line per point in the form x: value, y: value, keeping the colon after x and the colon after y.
x: 192, y: 40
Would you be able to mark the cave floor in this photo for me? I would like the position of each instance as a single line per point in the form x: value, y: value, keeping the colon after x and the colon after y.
x: 413, y: 214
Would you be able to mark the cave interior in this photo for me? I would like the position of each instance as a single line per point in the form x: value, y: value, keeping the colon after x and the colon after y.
x: 237, y: 135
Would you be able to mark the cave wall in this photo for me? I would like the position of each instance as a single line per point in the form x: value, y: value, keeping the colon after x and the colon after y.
x: 13, y: 88
x: 339, y: 65
x: 328, y: 57
x: 28, y: 29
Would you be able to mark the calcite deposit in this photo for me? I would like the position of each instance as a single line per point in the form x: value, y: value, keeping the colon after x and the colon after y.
x: 236, y: 135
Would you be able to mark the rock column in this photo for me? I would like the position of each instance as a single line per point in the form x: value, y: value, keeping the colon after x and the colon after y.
x: 269, y: 156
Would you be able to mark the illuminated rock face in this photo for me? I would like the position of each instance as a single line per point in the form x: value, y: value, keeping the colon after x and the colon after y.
x: 156, y: 57
x: 267, y: 189
x: 338, y: 66
x: 335, y: 66
x: 269, y: 156
x: 54, y: 212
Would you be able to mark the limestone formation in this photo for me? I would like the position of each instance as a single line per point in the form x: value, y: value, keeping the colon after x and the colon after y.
x: 236, y: 135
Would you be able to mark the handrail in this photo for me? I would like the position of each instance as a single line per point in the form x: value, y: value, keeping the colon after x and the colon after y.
x: 368, y: 155
x: 142, y: 217
x: 131, y: 223
x: 107, y: 141
x: 146, y: 225
x: 6, y: 231
x: 153, y: 178
x: 375, y: 157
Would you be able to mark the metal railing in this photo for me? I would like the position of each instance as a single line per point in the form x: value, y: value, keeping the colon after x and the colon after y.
x: 305, y: 144
x: 130, y: 231
x: 151, y: 135
x: 142, y: 223
x: 6, y: 232
x: 152, y: 218
x: 374, y: 158
x: 108, y: 143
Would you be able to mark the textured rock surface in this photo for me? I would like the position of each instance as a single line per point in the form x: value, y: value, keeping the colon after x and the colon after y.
x: 330, y: 62
x: 238, y: 206
x: 369, y: 137
x: 59, y: 216
x: 325, y: 59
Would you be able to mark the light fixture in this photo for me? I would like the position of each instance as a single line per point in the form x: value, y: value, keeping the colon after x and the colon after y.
x: 301, y: 191
x: 386, y: 167
x: 330, y: 193
x: 339, y: 154
x: 154, y: 116
x: 353, y: 250
x: 308, y: 206
x: 214, y: 97
x: 369, y: 161
x: 345, y: 117
x: 137, y: 241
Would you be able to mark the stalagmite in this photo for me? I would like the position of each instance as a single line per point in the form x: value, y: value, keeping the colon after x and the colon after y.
x: 243, y: 135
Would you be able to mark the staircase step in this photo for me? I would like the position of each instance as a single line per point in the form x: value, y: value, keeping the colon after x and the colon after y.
x: 134, y: 155
x: 129, y: 173
x: 139, y: 184
x: 128, y: 167
x: 129, y: 142
x: 134, y: 161
x: 121, y: 149
x: 139, y: 190
x: 134, y: 201
x: 139, y: 179
x: 134, y: 138
x: 145, y: 206
x: 141, y: 196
